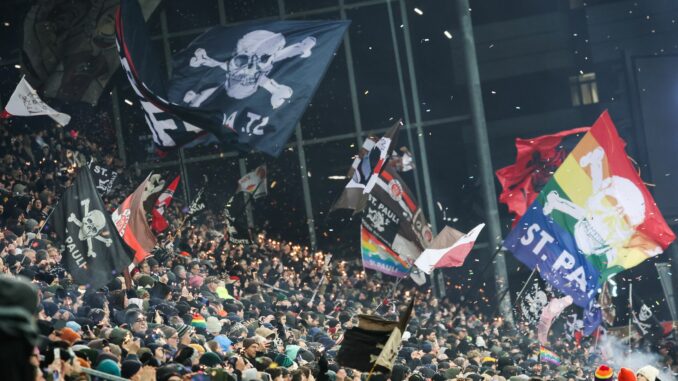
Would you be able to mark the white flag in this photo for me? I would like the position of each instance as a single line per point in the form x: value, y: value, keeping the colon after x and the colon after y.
x: 26, y: 102
x: 254, y: 183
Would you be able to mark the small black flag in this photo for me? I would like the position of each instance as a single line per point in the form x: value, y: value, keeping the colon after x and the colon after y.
x: 104, y: 178
x: 93, y: 252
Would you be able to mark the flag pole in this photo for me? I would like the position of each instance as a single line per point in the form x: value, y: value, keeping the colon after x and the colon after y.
x: 520, y: 294
x: 630, y: 311
x: 322, y: 278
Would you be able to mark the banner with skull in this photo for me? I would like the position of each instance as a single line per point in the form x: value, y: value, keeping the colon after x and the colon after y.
x: 93, y: 252
x: 253, y: 81
x: 593, y: 219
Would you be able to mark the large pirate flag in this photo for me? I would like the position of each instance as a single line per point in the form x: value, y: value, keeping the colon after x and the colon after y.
x: 394, y: 230
x: 248, y: 84
x: 93, y: 252
x: 593, y: 219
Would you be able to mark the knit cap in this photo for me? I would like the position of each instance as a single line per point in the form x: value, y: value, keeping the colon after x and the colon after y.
x: 210, y: 359
x: 130, y: 368
x: 648, y: 372
x: 603, y: 372
x: 626, y: 374
x: 69, y: 335
x: 198, y: 321
x: 213, y: 325
x: 109, y: 366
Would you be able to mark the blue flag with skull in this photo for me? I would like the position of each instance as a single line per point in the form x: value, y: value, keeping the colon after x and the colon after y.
x: 248, y: 83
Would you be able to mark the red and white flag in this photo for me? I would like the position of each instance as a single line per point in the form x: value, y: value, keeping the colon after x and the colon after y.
x: 26, y: 102
x: 448, y: 249
x: 159, y: 224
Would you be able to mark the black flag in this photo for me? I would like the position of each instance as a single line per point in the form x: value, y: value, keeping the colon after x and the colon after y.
x: 363, y: 344
x: 248, y: 83
x: 93, y: 252
x: 104, y: 178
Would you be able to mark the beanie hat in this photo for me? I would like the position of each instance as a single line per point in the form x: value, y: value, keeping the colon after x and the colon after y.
x: 109, y: 366
x: 183, y: 330
x: 74, y: 326
x: 198, y: 321
x: 195, y: 281
x: 69, y: 335
x: 145, y: 281
x: 648, y: 372
x: 198, y: 348
x: 626, y: 374
x: 210, y: 359
x: 130, y: 368
x: 292, y: 351
x: 603, y: 372
x: 213, y: 325
x: 117, y: 336
x: 224, y: 342
x: 283, y: 360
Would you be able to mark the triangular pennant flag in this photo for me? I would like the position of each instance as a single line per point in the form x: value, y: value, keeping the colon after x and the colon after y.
x: 26, y: 102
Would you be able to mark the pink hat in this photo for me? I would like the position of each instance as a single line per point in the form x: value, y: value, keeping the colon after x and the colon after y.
x: 196, y: 281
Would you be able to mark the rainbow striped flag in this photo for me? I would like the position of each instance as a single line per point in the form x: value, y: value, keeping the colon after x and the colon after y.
x: 378, y: 256
x: 593, y: 219
x: 548, y: 356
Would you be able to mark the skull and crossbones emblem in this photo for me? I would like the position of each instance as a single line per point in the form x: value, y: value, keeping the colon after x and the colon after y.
x: 91, y: 226
x: 641, y: 320
x: 611, y: 214
x: 249, y: 67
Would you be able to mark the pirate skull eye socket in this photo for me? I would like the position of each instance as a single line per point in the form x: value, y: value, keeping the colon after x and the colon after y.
x: 240, y: 60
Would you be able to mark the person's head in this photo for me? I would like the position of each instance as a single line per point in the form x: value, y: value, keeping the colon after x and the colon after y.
x: 212, y: 283
x: 341, y: 374
x: 145, y: 268
x: 647, y: 373
x: 250, y: 347
x: 195, y: 268
x: 19, y: 334
x: 185, y: 333
x: 462, y: 334
x: 136, y: 321
x: 171, y: 336
x: 180, y: 272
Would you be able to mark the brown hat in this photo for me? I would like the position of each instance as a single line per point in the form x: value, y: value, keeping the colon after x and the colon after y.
x: 264, y: 332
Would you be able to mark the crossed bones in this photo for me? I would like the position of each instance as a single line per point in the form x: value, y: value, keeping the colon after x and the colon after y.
x: 248, y: 69
x: 90, y: 226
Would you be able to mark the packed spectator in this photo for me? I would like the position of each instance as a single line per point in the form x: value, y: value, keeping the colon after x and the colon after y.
x: 201, y: 307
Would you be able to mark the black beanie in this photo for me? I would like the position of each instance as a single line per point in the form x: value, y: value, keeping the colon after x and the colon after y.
x: 129, y: 368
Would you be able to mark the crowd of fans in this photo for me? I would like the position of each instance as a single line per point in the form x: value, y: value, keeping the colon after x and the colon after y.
x: 202, y: 309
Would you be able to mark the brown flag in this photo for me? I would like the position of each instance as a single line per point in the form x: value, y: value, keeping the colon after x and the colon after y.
x: 130, y: 220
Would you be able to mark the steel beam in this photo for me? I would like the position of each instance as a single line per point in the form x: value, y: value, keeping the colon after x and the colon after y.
x: 483, y: 152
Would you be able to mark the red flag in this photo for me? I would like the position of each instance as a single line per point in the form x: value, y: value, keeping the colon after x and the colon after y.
x: 130, y: 220
x: 536, y: 161
x: 159, y: 223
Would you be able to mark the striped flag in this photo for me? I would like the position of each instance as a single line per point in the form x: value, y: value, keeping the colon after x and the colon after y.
x: 548, y: 356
